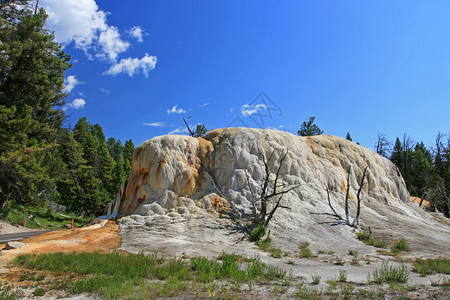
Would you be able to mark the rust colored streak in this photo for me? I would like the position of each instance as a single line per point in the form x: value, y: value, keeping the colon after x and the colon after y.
x: 161, y: 164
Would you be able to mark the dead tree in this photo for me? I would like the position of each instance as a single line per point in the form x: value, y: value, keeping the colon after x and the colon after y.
x: 191, y: 133
x: 266, y: 196
x: 356, y: 219
x: 346, y: 194
x: 329, y: 203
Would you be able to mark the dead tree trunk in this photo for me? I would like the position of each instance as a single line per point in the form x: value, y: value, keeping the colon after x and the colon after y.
x: 346, y: 195
x: 356, y: 220
x: 329, y: 203
x: 191, y: 133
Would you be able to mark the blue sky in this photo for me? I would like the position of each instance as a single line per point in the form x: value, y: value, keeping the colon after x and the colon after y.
x: 362, y: 67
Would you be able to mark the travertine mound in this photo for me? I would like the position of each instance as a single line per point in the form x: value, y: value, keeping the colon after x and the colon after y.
x: 180, y: 177
x: 184, y: 175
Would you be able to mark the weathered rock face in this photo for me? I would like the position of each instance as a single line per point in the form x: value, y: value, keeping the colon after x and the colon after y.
x: 180, y: 186
x: 183, y: 175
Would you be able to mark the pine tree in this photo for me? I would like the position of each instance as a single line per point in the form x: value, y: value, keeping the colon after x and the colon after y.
x: 348, y: 137
x: 309, y: 128
x: 397, y: 154
x: 128, y: 156
x: 32, y: 68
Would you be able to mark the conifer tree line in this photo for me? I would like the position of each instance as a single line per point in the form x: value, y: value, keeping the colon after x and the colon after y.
x: 40, y: 161
x: 426, y: 171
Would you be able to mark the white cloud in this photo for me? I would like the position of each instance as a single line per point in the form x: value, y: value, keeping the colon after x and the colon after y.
x: 248, y: 110
x: 81, y: 22
x: 75, y: 20
x: 155, y: 124
x: 111, y: 43
x: 132, y: 66
x: 205, y: 104
x: 69, y: 83
x: 175, y: 110
x: 77, y: 103
x: 137, y: 33
x: 179, y: 130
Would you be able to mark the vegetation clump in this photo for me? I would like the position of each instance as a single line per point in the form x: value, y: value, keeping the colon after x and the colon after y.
x: 431, y: 265
x: 399, y: 246
x: 117, y: 274
x: 369, y: 239
x: 389, y: 274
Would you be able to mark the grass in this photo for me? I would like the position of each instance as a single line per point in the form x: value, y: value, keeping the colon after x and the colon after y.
x: 305, y: 252
x: 8, y: 293
x: 117, y: 274
x: 399, y: 246
x: 369, y: 239
x: 47, y: 218
x: 389, y: 274
x: 266, y: 245
x: 316, y: 278
x: 431, y: 265
x: 342, y: 276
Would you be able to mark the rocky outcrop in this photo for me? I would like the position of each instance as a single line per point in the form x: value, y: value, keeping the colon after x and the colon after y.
x: 185, y: 175
x: 177, y: 181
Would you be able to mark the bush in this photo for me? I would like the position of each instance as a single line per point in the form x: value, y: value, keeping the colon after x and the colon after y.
x: 257, y: 233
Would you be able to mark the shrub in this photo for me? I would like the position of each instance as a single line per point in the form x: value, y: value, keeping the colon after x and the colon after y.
x: 257, y: 233
x: 390, y: 274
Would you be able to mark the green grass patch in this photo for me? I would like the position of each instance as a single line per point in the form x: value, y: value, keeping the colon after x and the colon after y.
x: 266, y: 245
x: 369, y: 239
x: 117, y: 274
x: 431, y: 265
x: 305, y: 252
x: 389, y: 274
x: 399, y: 246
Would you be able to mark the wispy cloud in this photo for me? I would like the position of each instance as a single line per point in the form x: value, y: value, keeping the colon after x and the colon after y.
x: 155, y: 124
x: 70, y: 83
x: 205, y: 104
x: 105, y: 91
x: 132, y: 66
x: 137, y: 33
x: 77, y: 104
x: 248, y: 110
x: 175, y: 110
x: 179, y: 130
